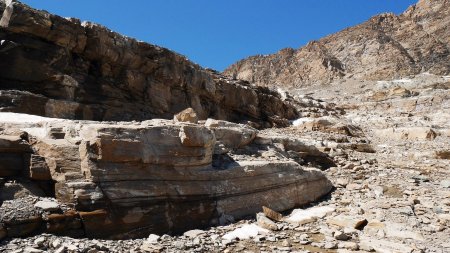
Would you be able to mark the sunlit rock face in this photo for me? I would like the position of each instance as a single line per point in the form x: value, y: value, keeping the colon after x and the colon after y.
x: 124, y: 180
x: 62, y: 68
x: 384, y: 47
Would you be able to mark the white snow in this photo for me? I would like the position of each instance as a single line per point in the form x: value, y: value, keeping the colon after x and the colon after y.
x: 282, y: 93
x: 301, y: 121
x: 302, y: 216
x: 245, y: 232
x: 11, y: 117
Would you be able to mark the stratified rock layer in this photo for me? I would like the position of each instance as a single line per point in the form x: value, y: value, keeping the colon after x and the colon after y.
x: 62, y: 68
x: 126, y: 180
x: 386, y: 46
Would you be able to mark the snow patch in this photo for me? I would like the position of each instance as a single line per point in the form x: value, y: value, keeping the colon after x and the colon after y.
x: 301, y: 121
x: 11, y: 117
x: 302, y: 216
x: 282, y: 93
x: 245, y: 232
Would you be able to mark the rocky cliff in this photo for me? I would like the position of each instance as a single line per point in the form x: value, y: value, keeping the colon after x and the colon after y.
x: 57, y: 67
x: 92, y: 176
x: 385, y: 47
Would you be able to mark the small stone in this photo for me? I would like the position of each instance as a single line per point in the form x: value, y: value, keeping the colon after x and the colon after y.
x: 286, y: 243
x: 353, y: 187
x: 348, y: 166
x: 179, y: 245
x: 56, y: 243
x: 72, y: 248
x: 40, y: 241
x: 338, y: 235
x: 152, y: 238
x: 421, y: 178
x: 330, y: 245
x: 405, y: 210
x: 47, y: 205
x: 445, y: 183
x: 32, y: 250
x: 150, y: 247
x: 343, y: 182
x: 265, y: 222
x: 348, y: 245
x: 61, y: 249
x: 193, y: 233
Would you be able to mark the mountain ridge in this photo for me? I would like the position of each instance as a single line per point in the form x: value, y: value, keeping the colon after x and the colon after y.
x: 401, y: 45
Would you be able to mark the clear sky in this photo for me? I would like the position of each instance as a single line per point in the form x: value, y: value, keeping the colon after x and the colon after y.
x: 217, y: 33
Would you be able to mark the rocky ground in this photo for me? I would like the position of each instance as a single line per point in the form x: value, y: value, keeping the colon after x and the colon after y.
x: 392, y: 184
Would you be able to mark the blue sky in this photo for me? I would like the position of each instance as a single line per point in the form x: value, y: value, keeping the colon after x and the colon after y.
x: 217, y: 33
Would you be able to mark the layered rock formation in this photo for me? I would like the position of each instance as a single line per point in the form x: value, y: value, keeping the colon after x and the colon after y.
x: 122, y: 180
x: 57, y: 67
x: 385, y: 47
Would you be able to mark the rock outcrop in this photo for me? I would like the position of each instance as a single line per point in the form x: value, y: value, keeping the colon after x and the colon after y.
x: 122, y: 180
x: 385, y: 47
x: 63, y: 68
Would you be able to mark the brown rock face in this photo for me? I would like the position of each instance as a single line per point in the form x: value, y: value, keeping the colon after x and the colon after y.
x: 62, y: 68
x: 384, y: 47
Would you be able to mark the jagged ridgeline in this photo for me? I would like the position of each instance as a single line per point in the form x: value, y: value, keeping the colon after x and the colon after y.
x: 385, y: 47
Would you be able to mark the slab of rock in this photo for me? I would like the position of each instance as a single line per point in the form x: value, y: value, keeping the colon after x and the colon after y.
x: 47, y: 205
x: 348, y: 221
x: 158, y: 176
x: 265, y: 222
x: 271, y: 214
x: 193, y: 233
x: 369, y: 244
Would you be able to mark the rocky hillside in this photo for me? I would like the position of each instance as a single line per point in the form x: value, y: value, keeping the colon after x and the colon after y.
x: 385, y: 47
x: 364, y: 167
x: 62, y: 68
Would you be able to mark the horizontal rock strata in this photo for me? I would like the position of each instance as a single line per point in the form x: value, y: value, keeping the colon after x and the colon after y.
x: 122, y: 180
x: 62, y: 68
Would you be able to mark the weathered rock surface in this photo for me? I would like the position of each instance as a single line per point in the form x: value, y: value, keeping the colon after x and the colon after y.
x: 131, y: 179
x: 385, y: 47
x: 62, y: 68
